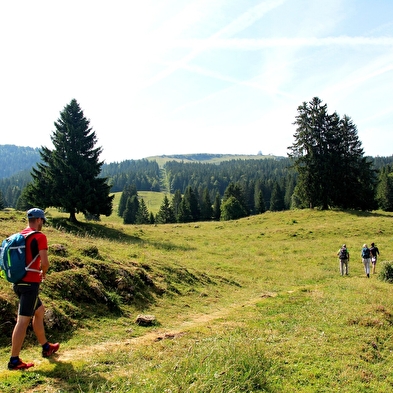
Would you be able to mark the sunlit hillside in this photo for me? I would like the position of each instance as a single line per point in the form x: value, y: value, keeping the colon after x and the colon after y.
x: 257, y: 304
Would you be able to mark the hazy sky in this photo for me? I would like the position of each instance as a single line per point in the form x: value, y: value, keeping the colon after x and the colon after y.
x: 194, y: 76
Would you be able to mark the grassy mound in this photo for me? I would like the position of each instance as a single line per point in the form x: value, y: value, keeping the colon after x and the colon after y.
x: 82, y: 283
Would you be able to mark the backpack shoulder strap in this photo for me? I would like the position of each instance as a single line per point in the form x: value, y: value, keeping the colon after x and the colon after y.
x: 34, y: 259
x: 26, y: 235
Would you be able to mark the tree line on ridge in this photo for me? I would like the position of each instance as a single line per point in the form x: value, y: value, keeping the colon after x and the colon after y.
x: 325, y: 168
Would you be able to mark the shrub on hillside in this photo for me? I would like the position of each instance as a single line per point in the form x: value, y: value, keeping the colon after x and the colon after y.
x: 386, y: 273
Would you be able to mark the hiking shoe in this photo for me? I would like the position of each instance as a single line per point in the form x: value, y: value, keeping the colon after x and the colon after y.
x: 51, y: 350
x: 20, y: 365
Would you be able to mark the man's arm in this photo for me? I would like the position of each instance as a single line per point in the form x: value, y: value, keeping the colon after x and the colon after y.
x: 44, y: 262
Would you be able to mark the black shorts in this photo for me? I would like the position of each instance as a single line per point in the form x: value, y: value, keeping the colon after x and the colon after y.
x: 29, y: 301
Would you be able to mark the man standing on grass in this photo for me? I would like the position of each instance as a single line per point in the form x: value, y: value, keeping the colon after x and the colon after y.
x: 343, y: 255
x: 30, y: 305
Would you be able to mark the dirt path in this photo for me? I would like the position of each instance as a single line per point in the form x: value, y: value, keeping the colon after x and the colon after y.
x: 67, y: 355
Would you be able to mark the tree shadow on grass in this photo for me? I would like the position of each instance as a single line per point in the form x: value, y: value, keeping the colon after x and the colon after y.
x: 92, y: 229
x: 97, y: 230
x: 361, y: 213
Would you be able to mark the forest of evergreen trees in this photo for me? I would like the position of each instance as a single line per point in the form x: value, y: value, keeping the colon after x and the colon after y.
x: 260, y: 184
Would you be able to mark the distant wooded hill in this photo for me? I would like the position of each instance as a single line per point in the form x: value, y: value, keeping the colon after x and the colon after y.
x: 212, y: 172
x: 14, y: 159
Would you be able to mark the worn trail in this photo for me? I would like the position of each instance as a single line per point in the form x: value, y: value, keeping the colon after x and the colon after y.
x: 157, y: 334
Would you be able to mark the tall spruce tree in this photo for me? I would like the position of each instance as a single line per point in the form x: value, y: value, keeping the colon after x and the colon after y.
x: 190, y: 199
x: 328, y: 157
x: 67, y: 177
x: 142, y: 215
x: 165, y: 214
x: 132, y: 207
x: 129, y: 191
x: 184, y: 212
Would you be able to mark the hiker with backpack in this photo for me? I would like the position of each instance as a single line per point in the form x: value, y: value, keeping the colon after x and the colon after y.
x: 366, y: 259
x: 343, y: 256
x: 374, y: 256
x: 27, y: 290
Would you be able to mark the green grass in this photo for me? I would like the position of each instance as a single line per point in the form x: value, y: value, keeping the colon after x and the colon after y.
x: 253, y: 305
x: 214, y: 159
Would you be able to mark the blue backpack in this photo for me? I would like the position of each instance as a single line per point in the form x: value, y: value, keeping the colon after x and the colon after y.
x: 13, y: 257
x: 365, y: 253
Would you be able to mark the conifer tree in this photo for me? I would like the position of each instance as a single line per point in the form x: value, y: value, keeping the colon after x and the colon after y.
x: 129, y: 190
x: 235, y: 190
x: 190, y: 205
x: 260, y: 203
x: 165, y: 215
x: 217, y: 207
x: 152, y: 219
x: 68, y: 176
x: 276, y: 199
x: 142, y: 215
x: 184, y: 212
x: 206, y: 206
x: 328, y: 157
x: 176, y: 201
x: 132, y: 207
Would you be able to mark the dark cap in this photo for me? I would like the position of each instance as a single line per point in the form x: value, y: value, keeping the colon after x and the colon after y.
x: 36, y: 213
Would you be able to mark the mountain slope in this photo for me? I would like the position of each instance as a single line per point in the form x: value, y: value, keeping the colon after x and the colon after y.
x: 14, y: 159
x: 206, y: 158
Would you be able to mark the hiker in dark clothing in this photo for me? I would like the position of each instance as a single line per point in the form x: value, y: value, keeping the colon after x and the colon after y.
x: 343, y: 256
x: 366, y: 258
x: 374, y: 256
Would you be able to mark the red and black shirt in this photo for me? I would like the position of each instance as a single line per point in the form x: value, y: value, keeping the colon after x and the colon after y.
x: 34, y: 244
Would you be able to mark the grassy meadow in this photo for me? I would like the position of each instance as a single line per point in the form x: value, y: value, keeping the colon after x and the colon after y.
x: 253, y: 305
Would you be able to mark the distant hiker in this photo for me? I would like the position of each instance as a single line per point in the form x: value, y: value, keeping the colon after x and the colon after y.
x: 343, y: 256
x: 27, y: 290
x: 366, y: 259
x: 374, y: 255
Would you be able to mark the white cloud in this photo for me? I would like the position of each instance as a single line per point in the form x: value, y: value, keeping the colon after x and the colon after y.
x: 171, y: 75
